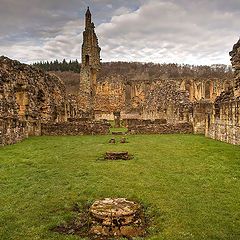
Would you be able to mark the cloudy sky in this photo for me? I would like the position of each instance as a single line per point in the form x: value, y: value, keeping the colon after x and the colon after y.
x: 179, y: 31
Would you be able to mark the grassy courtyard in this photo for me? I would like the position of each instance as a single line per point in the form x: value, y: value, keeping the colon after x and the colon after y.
x: 189, y: 185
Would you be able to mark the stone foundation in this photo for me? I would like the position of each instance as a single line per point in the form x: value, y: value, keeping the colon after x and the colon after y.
x: 156, y: 127
x: 76, y: 128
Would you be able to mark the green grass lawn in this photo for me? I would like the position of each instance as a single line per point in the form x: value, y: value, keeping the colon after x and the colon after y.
x: 189, y: 185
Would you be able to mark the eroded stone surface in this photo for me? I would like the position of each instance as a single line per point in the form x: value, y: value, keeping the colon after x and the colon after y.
x: 90, y: 65
x: 223, y: 121
x: 116, y: 155
x: 112, y: 140
x: 117, y: 217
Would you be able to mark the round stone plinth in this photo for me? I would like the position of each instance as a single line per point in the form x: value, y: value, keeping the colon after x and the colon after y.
x: 118, y: 217
x: 116, y: 155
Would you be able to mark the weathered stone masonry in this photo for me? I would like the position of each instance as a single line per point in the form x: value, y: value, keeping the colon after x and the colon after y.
x: 31, y: 100
x: 90, y: 66
x: 12, y: 130
x: 158, y: 126
x: 223, y: 121
x: 81, y: 127
x: 28, y: 96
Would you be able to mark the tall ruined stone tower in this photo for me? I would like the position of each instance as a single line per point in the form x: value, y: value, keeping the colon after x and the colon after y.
x: 90, y: 66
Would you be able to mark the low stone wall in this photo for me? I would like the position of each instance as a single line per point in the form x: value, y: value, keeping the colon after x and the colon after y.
x: 152, y: 127
x: 12, y: 130
x: 224, y: 123
x: 134, y: 122
x: 76, y: 128
x: 225, y: 132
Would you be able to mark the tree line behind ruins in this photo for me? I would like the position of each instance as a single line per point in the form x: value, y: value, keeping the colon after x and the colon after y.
x: 144, y: 69
x: 69, y: 71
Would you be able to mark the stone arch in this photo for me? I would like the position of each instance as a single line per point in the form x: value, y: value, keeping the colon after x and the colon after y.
x: 208, y: 90
x: 189, y: 89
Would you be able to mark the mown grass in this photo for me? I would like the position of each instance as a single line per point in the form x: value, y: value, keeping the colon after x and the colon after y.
x: 189, y: 185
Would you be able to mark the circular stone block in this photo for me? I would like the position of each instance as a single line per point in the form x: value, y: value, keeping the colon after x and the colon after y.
x: 118, y: 217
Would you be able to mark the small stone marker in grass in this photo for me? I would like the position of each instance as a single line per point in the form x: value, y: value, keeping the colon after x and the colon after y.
x: 123, y: 140
x: 117, y: 217
x: 116, y: 155
x: 112, y: 140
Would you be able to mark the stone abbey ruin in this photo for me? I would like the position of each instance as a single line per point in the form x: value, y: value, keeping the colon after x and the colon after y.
x: 34, y: 103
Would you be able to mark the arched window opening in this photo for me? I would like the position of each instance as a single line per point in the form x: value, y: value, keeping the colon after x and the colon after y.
x: 189, y: 89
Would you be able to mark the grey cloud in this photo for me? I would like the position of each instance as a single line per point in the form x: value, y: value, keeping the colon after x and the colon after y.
x: 200, y: 36
x: 184, y: 31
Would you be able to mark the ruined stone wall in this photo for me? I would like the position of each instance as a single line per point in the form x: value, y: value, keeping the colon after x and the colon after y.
x: 90, y: 65
x: 75, y: 128
x: 223, y: 122
x: 12, y: 130
x: 142, y: 99
x: 28, y: 97
x: 110, y: 96
x: 159, y: 126
x: 205, y: 89
x: 152, y: 99
x: 30, y: 93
